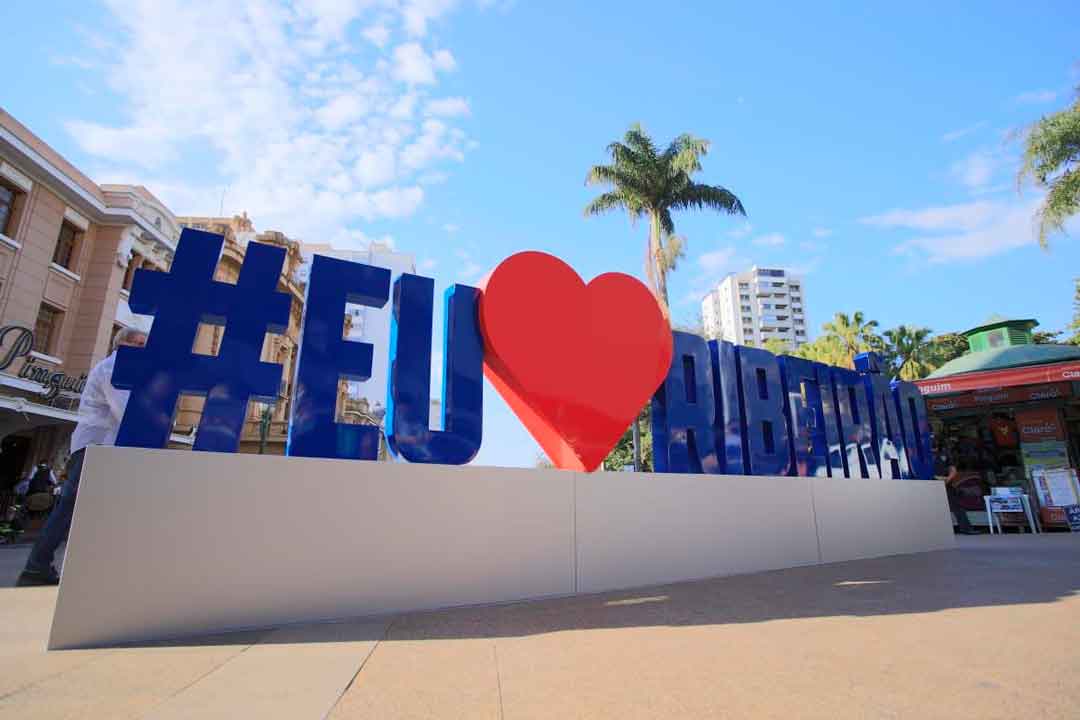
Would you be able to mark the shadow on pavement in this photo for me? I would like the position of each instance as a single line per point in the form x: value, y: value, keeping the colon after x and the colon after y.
x: 983, y: 571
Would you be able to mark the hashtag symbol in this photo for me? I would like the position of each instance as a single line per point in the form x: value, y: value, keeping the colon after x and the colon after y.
x: 179, y: 300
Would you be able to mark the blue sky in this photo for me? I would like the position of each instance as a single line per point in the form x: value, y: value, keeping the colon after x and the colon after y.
x: 870, y: 145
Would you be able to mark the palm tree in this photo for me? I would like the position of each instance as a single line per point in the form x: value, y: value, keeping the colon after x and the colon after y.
x: 910, y: 349
x: 648, y: 183
x: 1052, y: 161
x: 855, y: 335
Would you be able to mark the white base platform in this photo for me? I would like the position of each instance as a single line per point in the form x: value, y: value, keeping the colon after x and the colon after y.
x: 170, y: 543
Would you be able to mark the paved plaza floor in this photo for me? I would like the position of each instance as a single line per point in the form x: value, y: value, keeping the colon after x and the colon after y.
x: 990, y: 630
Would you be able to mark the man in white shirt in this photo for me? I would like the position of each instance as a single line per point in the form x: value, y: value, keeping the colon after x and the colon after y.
x: 101, y: 409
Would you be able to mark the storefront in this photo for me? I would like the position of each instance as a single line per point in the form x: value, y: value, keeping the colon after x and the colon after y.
x: 38, y: 411
x: 1008, y: 413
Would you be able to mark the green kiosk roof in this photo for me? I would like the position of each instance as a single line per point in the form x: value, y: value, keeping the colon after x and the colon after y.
x: 1001, y: 343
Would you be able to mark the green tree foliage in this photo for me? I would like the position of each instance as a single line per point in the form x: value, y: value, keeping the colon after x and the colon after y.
x: 1052, y: 161
x: 649, y: 183
x: 825, y: 349
x: 946, y: 347
x: 1046, y: 337
x: 908, y: 352
x: 623, y: 452
x: 855, y: 334
x: 777, y: 346
x: 1074, y: 326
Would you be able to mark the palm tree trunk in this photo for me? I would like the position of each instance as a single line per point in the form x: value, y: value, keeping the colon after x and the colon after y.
x: 656, y: 249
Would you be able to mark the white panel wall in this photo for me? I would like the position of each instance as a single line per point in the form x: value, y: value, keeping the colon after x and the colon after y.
x: 638, y: 529
x: 860, y: 518
x: 170, y: 543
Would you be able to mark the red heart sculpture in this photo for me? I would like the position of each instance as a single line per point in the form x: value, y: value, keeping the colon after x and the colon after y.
x: 575, y: 362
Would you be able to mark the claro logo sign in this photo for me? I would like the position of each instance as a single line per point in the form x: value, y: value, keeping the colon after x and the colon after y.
x: 1039, y: 425
x: 576, y: 362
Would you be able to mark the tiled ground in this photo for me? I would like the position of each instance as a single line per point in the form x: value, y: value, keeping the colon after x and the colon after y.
x: 986, y: 631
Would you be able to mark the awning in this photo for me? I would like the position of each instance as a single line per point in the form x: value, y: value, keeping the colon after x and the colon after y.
x: 991, y: 379
x: 19, y: 414
x: 23, y: 384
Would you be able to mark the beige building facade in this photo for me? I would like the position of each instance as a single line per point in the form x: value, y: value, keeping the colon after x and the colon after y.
x: 69, y: 249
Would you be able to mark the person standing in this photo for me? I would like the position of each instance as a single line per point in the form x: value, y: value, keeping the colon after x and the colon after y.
x: 945, y: 470
x: 42, y: 481
x: 100, y: 411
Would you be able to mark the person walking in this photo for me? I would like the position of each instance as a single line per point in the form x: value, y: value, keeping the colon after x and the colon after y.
x: 100, y: 411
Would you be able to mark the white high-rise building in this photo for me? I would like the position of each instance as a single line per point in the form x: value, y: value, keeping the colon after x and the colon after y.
x: 757, y: 305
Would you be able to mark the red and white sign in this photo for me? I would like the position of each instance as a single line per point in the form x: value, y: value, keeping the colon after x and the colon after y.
x: 1056, y: 372
x: 1040, y: 424
x: 1024, y: 393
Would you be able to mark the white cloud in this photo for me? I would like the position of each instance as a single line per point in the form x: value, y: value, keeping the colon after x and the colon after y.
x: 966, y: 216
x: 436, y: 141
x: 976, y: 170
x: 145, y: 145
x: 414, y: 66
x: 1034, y: 97
x: 450, y: 228
x: 426, y: 265
x: 376, y: 166
x: 418, y: 13
x: 770, y: 240
x: 470, y: 270
x: 377, y: 34
x: 821, y: 232
x: 448, y: 107
x: 716, y: 261
x: 303, y: 135
x: 341, y: 111
x: 954, y: 135
x: 967, y: 231
x: 811, y: 246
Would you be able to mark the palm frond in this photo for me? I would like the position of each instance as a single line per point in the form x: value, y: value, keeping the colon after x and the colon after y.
x: 608, y: 201
x: 667, y: 224
x: 696, y: 196
x: 639, y: 140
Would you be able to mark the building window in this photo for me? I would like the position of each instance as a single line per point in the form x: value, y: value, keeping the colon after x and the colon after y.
x: 798, y: 321
x: 7, y: 209
x: 745, y: 308
x: 744, y: 297
x: 47, y: 329
x: 67, y: 246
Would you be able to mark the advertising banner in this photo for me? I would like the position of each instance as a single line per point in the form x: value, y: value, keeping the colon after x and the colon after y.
x: 1040, y: 424
x: 1002, y: 396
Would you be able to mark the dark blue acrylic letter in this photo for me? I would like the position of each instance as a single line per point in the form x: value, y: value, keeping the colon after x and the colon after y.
x: 326, y: 357
x: 765, y: 426
x: 179, y: 300
x: 409, y: 394
x: 684, y: 411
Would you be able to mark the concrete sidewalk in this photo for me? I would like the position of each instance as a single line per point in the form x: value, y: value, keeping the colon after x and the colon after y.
x: 990, y: 630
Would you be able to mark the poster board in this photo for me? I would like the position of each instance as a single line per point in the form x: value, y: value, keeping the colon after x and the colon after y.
x: 1056, y: 487
x: 1072, y: 517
